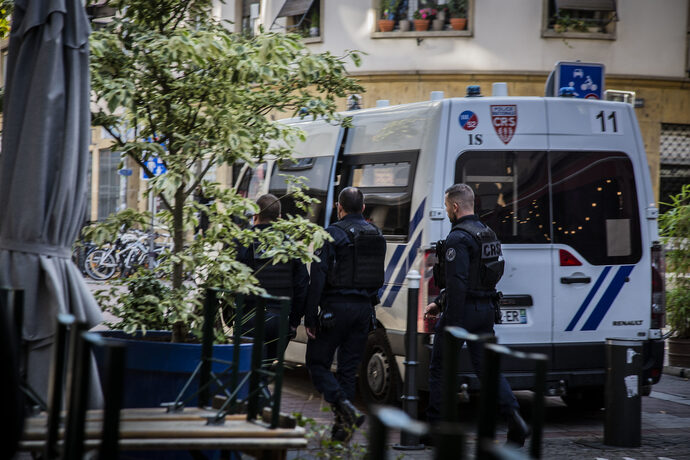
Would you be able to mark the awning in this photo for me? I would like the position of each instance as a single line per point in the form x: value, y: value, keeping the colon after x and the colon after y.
x: 295, y: 8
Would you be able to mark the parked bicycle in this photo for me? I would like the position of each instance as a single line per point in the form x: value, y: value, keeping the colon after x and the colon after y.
x: 128, y: 253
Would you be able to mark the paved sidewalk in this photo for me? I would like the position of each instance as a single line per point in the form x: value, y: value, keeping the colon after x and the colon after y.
x: 567, y: 434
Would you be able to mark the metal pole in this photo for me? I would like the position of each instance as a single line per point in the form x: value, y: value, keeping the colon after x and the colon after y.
x: 410, y: 400
x: 152, y: 249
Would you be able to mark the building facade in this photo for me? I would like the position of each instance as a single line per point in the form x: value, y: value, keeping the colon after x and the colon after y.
x: 643, y: 45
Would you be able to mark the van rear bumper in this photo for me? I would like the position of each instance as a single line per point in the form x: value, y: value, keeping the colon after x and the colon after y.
x: 571, y: 366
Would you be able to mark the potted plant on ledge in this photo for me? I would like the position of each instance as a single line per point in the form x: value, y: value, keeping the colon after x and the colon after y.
x: 458, y: 14
x: 388, y: 10
x: 422, y: 17
x: 675, y: 227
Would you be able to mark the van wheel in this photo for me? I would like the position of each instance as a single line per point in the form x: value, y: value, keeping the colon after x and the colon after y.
x: 378, y: 373
x: 585, y: 398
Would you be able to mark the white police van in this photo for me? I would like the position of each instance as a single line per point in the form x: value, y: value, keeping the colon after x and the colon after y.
x: 563, y: 182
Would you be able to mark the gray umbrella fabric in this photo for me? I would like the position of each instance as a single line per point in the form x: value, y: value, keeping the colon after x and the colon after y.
x: 43, y: 167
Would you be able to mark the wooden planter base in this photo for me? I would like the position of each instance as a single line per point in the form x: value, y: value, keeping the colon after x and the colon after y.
x: 679, y: 352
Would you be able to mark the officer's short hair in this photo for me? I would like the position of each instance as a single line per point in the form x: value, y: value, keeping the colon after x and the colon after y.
x: 461, y: 194
x: 351, y: 199
x: 269, y: 208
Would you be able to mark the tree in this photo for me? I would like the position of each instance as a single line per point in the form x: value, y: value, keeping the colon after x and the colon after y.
x: 169, y: 81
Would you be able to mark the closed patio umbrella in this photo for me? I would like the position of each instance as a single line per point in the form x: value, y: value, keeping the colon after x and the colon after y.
x: 43, y: 166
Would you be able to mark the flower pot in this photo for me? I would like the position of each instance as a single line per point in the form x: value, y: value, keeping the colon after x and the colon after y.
x: 437, y: 24
x: 386, y: 25
x: 458, y: 23
x: 404, y: 25
x: 679, y: 352
x: 313, y: 31
x: 421, y: 25
x: 157, y: 369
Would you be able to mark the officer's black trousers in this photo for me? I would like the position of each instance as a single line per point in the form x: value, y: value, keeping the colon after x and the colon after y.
x: 349, y: 337
x: 477, y: 318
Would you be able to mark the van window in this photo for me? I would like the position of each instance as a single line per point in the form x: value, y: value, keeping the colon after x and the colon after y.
x: 316, y: 171
x: 252, y: 182
x: 511, y: 193
x: 386, y: 181
x: 595, y: 207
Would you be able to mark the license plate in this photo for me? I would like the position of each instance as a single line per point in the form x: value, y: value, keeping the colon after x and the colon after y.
x: 513, y: 316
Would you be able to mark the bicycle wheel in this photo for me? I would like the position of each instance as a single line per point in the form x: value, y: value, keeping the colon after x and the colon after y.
x: 100, y: 265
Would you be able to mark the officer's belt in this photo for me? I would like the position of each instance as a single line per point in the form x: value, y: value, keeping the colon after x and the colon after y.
x: 347, y: 298
x: 480, y: 294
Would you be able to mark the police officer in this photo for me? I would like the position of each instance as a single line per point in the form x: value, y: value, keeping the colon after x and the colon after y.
x: 470, y: 282
x: 289, y: 279
x: 344, y: 284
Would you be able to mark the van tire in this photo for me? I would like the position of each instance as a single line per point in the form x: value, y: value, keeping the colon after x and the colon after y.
x: 378, y: 374
x: 587, y: 399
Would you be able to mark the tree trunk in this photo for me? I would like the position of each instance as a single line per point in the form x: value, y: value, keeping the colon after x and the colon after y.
x: 179, y: 328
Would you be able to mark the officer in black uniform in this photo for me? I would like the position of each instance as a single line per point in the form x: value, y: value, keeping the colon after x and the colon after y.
x: 289, y: 279
x: 344, y: 284
x: 470, y: 280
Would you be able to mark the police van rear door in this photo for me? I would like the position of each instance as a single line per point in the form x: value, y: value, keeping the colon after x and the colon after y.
x: 601, y: 273
x: 498, y: 147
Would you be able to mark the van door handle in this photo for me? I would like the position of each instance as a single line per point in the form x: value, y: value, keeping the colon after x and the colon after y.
x: 575, y: 279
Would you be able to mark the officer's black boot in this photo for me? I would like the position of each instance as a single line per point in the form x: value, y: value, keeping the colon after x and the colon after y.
x: 350, y: 415
x: 518, y: 430
x: 338, y: 431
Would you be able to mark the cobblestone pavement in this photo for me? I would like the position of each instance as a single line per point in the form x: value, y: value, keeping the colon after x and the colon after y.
x: 568, y: 434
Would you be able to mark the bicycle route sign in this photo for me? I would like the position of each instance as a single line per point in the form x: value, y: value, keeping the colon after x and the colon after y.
x: 155, y: 165
x: 586, y: 78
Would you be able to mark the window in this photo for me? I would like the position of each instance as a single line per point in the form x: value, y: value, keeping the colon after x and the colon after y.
x: 675, y: 161
x: 317, y: 172
x: 443, y: 18
x: 593, y: 204
x: 595, y: 207
x: 252, y: 182
x: 580, y: 19
x: 302, y: 17
x: 109, y: 183
x: 386, y: 181
x: 250, y: 16
x: 511, y: 193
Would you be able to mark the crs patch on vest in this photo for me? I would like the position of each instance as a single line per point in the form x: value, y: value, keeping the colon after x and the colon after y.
x: 491, y: 250
x: 450, y: 254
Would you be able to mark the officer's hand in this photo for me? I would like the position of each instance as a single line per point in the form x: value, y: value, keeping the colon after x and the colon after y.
x: 311, y: 332
x: 431, y: 310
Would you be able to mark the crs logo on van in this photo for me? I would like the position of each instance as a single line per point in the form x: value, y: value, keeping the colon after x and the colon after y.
x: 468, y: 120
x: 504, y: 118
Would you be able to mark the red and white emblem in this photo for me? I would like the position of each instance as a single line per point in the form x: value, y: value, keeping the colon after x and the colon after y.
x: 504, y: 118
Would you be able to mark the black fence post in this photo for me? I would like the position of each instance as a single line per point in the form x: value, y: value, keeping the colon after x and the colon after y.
x: 622, y: 424
x: 410, y: 400
x: 210, y: 308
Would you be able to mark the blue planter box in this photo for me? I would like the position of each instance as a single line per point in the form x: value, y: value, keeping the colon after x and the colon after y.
x: 157, y: 370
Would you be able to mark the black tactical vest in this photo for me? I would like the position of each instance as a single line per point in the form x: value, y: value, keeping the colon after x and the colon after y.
x: 359, y: 264
x: 486, y: 267
x: 276, y: 279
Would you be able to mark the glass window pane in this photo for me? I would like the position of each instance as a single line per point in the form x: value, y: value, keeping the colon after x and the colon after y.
x: 388, y: 211
x: 595, y: 207
x: 381, y: 175
x: 511, y: 193
x: 316, y: 172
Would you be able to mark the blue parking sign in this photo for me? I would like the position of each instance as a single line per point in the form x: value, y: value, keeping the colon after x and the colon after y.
x: 155, y: 165
x: 586, y: 78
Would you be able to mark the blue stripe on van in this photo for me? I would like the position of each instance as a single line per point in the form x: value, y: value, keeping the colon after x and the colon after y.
x: 417, y: 218
x: 393, y: 293
x: 607, y: 299
x: 393, y: 262
x: 395, y: 259
x: 588, y: 299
